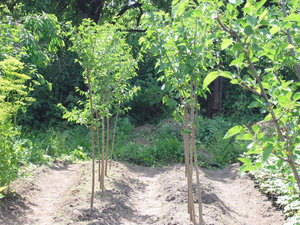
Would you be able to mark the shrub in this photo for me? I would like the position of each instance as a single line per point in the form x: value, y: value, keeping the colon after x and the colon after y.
x: 9, y: 165
x: 41, y: 147
x: 213, y: 149
x: 160, y: 152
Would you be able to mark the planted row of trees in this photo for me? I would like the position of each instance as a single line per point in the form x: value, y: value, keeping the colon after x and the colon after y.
x: 108, y: 65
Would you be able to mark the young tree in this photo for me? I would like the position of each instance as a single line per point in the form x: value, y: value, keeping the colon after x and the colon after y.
x: 85, y: 45
x: 108, y: 63
x: 183, y: 43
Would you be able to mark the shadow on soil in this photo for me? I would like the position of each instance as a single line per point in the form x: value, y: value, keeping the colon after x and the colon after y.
x: 12, y: 208
x: 116, y: 208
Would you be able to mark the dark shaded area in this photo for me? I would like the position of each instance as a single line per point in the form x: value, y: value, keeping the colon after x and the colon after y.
x: 12, y: 208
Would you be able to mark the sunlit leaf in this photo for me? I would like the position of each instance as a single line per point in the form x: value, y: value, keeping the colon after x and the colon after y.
x: 233, y: 131
x: 226, y: 43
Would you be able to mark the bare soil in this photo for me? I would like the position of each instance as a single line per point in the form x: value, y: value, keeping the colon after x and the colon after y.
x: 134, y: 195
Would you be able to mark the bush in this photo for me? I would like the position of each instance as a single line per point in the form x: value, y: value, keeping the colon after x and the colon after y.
x: 9, y: 159
x: 160, y: 152
x: 42, y: 147
x: 213, y: 149
x: 162, y: 144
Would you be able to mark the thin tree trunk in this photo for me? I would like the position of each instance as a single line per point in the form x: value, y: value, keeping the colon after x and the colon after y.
x: 99, y: 151
x: 190, y: 184
x: 92, y: 138
x: 186, y: 153
x: 188, y: 161
x: 113, y: 141
x: 200, y: 210
x: 102, y: 156
x: 107, y: 145
x: 295, y: 172
x: 185, y: 142
x: 194, y: 152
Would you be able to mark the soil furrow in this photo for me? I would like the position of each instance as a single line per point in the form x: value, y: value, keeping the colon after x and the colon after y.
x: 138, y: 195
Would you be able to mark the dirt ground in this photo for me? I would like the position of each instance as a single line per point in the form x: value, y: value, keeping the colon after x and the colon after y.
x: 134, y: 195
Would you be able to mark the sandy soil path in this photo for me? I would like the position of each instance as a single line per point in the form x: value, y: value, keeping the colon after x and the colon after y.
x: 45, y: 197
x: 244, y: 204
x: 137, y: 195
x: 50, y: 192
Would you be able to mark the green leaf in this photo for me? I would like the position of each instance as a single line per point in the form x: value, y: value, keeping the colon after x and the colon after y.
x: 252, y: 20
x: 243, y: 169
x: 234, y: 81
x: 293, y: 17
x: 279, y: 163
x: 237, y: 61
x: 255, y: 128
x: 3, y: 188
x: 248, y: 30
x: 257, y: 165
x: 265, y: 12
x: 268, y: 117
x: 290, y: 46
x: 246, y: 161
x: 260, y: 4
x: 267, y: 151
x: 247, y: 136
x: 214, y: 75
x: 238, y: 47
x: 284, y: 100
x: 233, y: 131
x: 274, y: 30
x: 255, y: 104
x: 296, y: 96
x: 226, y: 43
x: 49, y: 85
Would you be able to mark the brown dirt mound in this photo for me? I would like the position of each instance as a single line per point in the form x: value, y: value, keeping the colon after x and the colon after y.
x: 136, y: 195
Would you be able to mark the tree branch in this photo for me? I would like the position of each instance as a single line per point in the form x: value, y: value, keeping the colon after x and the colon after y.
x: 139, y: 17
x: 255, y: 74
x: 244, y: 85
x: 133, y: 30
x: 127, y: 7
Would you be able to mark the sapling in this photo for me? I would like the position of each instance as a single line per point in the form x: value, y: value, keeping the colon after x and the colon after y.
x: 113, y: 139
x: 99, y: 151
x: 102, y: 156
x: 107, y: 144
x: 182, y: 42
x: 92, y: 136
